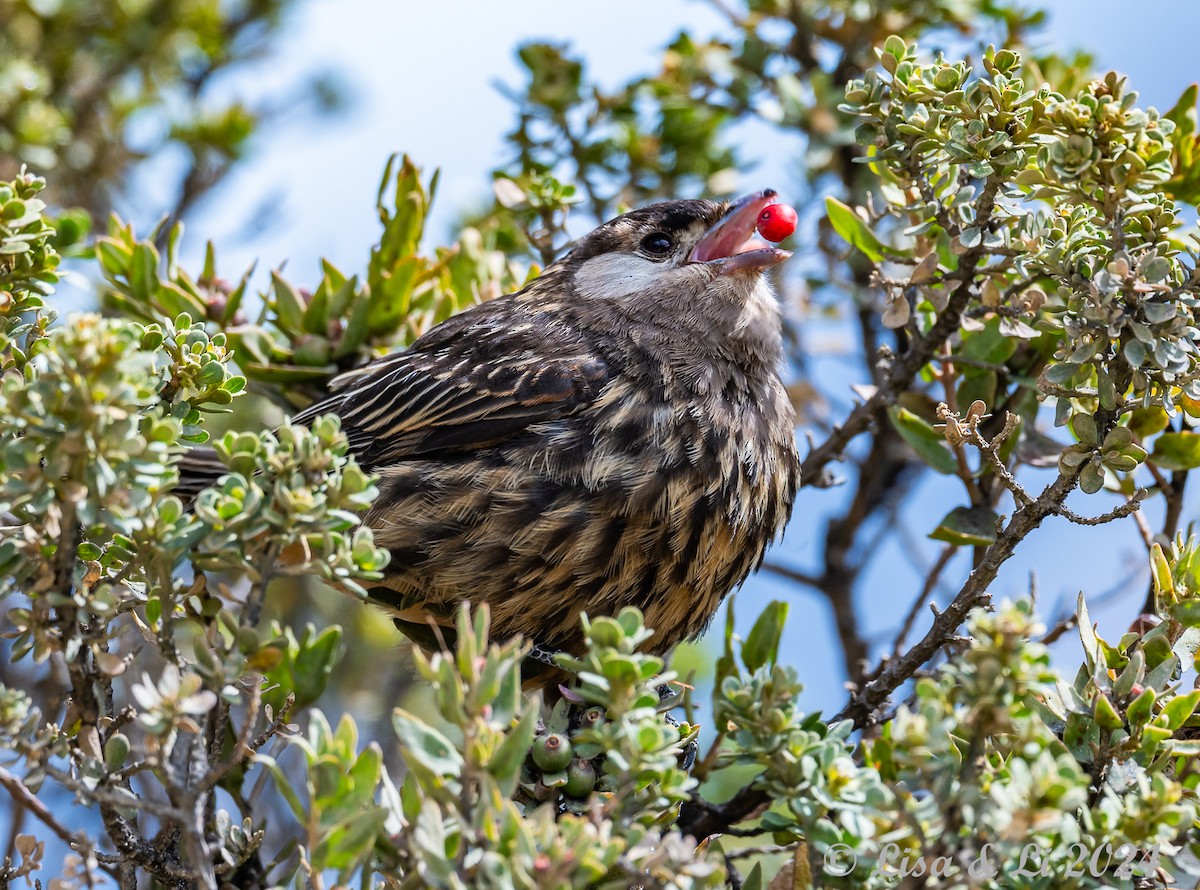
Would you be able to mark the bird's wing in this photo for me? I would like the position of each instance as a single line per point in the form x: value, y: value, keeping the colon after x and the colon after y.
x: 467, y: 388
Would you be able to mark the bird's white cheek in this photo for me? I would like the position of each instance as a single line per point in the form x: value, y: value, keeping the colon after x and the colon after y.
x: 612, y: 276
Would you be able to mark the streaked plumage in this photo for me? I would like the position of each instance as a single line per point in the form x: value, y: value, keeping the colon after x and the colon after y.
x: 615, y: 434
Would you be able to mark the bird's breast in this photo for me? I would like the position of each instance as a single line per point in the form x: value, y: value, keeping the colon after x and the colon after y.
x: 663, y: 493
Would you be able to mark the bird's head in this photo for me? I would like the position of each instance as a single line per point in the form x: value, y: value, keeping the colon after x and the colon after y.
x: 675, y: 245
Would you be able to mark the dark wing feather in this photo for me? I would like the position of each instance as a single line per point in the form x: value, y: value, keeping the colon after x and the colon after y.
x: 476, y: 380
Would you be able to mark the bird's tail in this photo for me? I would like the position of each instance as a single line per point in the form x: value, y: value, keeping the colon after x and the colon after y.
x: 199, y: 468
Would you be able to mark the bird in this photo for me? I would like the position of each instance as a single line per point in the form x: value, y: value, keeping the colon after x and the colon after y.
x: 617, y: 433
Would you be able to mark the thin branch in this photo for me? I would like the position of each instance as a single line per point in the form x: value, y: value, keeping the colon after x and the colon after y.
x: 991, y: 452
x: 1144, y: 531
x: 865, y: 702
x: 906, y: 369
x: 1126, y: 509
x: 931, y: 582
x: 791, y: 574
x: 241, y: 747
x: 30, y: 803
x: 946, y: 377
x: 764, y: 850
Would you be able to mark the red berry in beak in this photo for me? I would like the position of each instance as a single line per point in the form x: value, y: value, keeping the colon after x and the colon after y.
x: 776, y: 222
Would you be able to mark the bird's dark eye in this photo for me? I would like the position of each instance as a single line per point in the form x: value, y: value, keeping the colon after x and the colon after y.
x: 658, y: 243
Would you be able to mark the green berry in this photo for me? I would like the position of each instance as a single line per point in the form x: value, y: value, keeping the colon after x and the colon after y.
x: 592, y: 718
x: 552, y: 752
x: 581, y: 778
x: 116, y: 749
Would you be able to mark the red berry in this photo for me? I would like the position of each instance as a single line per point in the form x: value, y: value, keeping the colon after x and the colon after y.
x: 776, y: 222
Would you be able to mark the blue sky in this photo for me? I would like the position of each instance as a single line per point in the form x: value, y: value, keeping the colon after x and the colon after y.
x: 422, y: 78
x: 423, y: 75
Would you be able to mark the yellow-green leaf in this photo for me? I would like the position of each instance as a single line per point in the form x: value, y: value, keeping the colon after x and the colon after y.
x: 853, y: 230
x: 1177, y: 451
x: 929, y: 445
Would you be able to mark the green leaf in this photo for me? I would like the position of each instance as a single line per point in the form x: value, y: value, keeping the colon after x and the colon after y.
x: 1177, y: 451
x: 762, y: 644
x: 316, y: 314
x: 1186, y: 612
x: 854, y: 231
x: 314, y: 663
x: 364, y: 775
x: 1145, y: 422
x: 289, y: 373
x: 1087, y: 634
x: 754, y: 880
x: 967, y: 527
x: 356, y: 328
x: 1177, y: 711
x: 1152, y: 737
x: 284, y: 786
x: 895, y: 47
x: 1160, y: 571
x: 1105, y: 714
x: 1183, y: 114
x: 1141, y: 708
x: 425, y: 744
x: 175, y: 301
x: 1091, y: 479
x: 143, y: 272
x: 349, y: 842
x: 930, y: 446
x: 289, y: 306
x: 1157, y: 649
x: 1084, y: 427
x: 505, y: 762
x: 989, y: 345
x: 88, y: 551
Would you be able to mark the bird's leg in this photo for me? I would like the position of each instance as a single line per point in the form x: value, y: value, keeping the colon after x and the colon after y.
x: 668, y: 697
x: 544, y: 655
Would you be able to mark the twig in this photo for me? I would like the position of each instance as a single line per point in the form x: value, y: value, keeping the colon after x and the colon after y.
x: 241, y: 747
x: 990, y: 451
x: 700, y: 819
x: 26, y: 799
x: 947, y: 377
x: 765, y: 849
x: 874, y: 694
x: 280, y: 720
x: 792, y: 574
x: 904, y: 371
x: 1065, y: 624
x: 927, y: 588
x: 1126, y: 509
x: 30, y: 804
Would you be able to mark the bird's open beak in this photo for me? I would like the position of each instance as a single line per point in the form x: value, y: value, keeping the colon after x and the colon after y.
x: 732, y: 245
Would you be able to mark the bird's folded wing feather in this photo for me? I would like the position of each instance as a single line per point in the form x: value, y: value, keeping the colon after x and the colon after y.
x: 459, y: 394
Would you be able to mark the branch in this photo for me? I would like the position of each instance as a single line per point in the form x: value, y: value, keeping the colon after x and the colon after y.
x: 26, y: 799
x: 927, y: 588
x: 701, y: 819
x: 791, y: 574
x: 991, y: 452
x: 905, y: 371
x: 893, y: 674
x: 1126, y: 509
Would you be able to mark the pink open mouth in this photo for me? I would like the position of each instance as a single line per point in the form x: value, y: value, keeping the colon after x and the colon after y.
x: 733, y: 245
